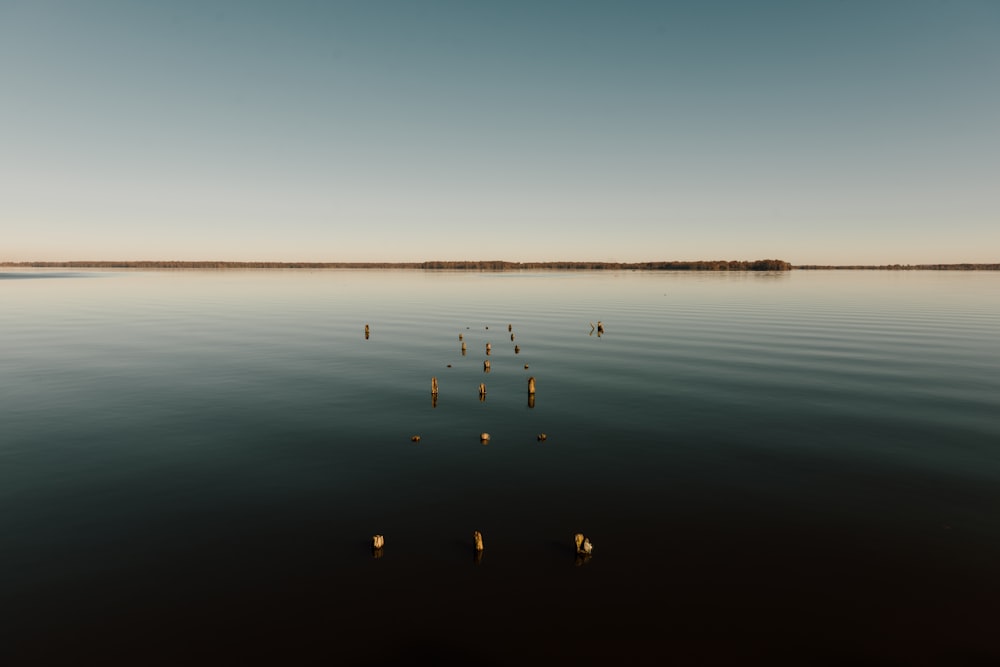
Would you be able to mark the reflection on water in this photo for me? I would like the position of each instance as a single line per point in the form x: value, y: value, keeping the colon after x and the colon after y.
x: 31, y: 275
x: 207, y: 450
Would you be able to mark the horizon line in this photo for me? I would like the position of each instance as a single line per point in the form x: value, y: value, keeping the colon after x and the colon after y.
x: 497, y: 264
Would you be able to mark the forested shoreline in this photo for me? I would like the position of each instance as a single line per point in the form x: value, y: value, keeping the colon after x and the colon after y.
x: 467, y: 265
x: 501, y: 265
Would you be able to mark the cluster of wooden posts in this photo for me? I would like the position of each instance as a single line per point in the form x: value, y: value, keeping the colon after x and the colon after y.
x: 584, y: 547
x: 487, y: 367
x: 484, y: 437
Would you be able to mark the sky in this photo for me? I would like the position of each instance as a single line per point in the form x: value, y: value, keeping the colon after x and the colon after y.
x: 841, y: 132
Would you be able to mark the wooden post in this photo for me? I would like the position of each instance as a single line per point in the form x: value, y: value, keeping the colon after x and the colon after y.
x: 367, y: 332
x: 482, y: 390
x: 484, y: 438
x: 486, y: 366
x: 510, y: 327
x: 531, y: 385
x: 477, y: 538
x: 517, y: 349
x: 434, y: 386
x: 583, y: 545
x: 512, y: 336
x: 460, y: 336
x: 489, y: 348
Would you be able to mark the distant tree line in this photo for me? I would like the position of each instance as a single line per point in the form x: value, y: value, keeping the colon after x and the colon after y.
x: 908, y: 267
x: 467, y: 265
x: 500, y: 265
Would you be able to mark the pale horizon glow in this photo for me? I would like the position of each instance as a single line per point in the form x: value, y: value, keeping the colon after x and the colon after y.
x: 817, y: 133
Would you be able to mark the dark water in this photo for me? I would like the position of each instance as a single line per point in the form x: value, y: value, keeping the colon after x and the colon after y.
x: 799, y: 468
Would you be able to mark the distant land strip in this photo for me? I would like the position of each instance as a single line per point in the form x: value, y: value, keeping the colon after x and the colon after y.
x: 466, y: 265
x: 500, y: 265
x: 904, y: 267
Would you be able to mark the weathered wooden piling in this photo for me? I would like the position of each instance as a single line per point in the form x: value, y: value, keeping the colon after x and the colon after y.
x: 510, y: 327
x: 600, y: 328
x: 583, y: 545
x: 512, y: 336
x: 484, y: 437
x: 460, y: 336
x: 542, y: 437
x: 486, y: 366
x: 489, y: 348
x: 482, y: 389
x: 415, y: 438
x: 434, y: 386
x: 531, y: 384
x: 378, y: 541
x: 477, y: 539
x: 367, y: 332
x: 517, y: 350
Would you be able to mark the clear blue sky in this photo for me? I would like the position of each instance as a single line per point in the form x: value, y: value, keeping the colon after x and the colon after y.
x: 816, y: 132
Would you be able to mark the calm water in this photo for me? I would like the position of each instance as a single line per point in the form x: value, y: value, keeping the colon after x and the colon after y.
x: 789, y: 468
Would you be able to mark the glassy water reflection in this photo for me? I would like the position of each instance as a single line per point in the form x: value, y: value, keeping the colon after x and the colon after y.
x: 771, y: 467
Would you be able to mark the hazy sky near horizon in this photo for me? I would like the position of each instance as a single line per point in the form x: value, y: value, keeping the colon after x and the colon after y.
x: 816, y: 132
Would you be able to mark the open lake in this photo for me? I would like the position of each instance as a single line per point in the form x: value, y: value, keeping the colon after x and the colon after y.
x: 797, y: 468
